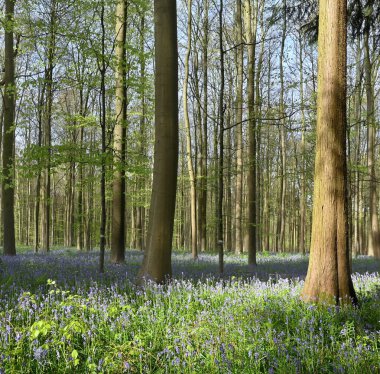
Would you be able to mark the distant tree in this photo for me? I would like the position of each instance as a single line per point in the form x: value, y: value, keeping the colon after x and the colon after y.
x: 157, y: 258
x: 328, y: 277
x: 9, y: 104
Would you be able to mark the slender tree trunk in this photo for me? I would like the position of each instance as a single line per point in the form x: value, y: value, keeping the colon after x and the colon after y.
x: 219, y: 204
x: 356, y: 248
x: 303, y: 162
x: 328, y: 277
x: 281, y: 240
x: 118, y: 202
x: 47, y: 129
x: 374, y: 233
x: 190, y: 166
x: 157, y: 257
x: 103, y: 125
x: 202, y: 206
x: 9, y: 105
x: 140, y: 213
x: 239, y: 131
x: 251, y: 177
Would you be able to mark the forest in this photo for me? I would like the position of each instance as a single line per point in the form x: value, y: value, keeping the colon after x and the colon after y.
x: 189, y: 186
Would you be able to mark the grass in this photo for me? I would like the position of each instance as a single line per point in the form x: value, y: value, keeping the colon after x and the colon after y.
x: 58, y: 315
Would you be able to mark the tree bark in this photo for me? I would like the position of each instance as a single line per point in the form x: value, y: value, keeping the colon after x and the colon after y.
x: 103, y: 125
x: 9, y: 103
x: 373, y: 227
x: 281, y: 239
x: 119, y: 142
x: 302, y: 243
x: 202, y: 205
x: 157, y: 258
x: 190, y: 166
x: 252, y: 173
x: 219, y: 203
x: 328, y: 278
x: 239, y: 132
x: 47, y: 129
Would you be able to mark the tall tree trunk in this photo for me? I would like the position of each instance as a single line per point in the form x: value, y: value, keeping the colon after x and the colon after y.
x: 157, y: 257
x: 219, y: 204
x: 356, y: 245
x: 103, y: 125
x: 373, y: 227
x: 140, y: 213
x: 41, y: 94
x: 118, y: 202
x: 303, y: 156
x: 328, y: 277
x: 47, y: 128
x: 281, y: 239
x: 190, y: 166
x: 202, y: 205
x: 239, y: 131
x: 251, y: 177
x: 9, y: 105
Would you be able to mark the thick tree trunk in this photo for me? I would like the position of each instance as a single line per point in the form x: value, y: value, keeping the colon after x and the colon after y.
x: 118, y: 201
x: 9, y: 103
x: 157, y: 258
x: 328, y: 277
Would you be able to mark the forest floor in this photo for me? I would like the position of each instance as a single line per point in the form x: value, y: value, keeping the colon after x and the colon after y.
x: 59, y: 315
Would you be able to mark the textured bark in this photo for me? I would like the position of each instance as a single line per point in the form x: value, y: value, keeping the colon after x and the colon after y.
x: 157, y: 258
x: 328, y: 277
x: 9, y: 104
x: 118, y: 201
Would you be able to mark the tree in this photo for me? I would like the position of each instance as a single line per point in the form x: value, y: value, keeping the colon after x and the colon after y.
x: 157, y: 257
x: 47, y: 123
x: 328, y: 277
x: 9, y: 104
x: 239, y: 130
x: 220, y: 188
x: 118, y: 202
x: 252, y: 136
x: 190, y: 166
x: 373, y: 227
